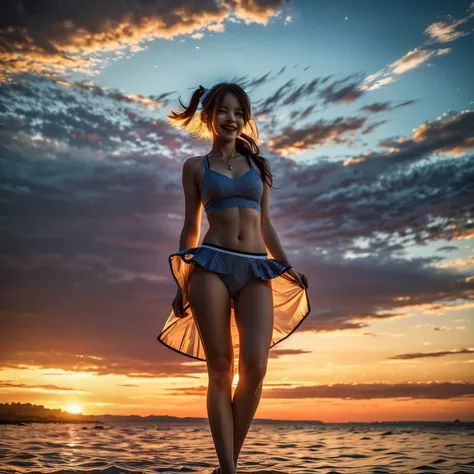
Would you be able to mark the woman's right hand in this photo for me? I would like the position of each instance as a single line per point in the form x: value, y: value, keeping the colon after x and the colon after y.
x: 178, y: 305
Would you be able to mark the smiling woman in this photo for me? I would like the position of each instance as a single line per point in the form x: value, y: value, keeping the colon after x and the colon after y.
x: 232, y: 300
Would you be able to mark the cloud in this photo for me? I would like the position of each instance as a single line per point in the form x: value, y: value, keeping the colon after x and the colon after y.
x: 37, y: 388
x: 384, y: 206
x: 361, y: 391
x: 367, y: 391
x: 251, y: 84
x: 56, y: 38
x: 372, y: 127
x: 54, y: 360
x: 48, y: 117
x: 450, y: 134
x: 288, y: 94
x: 268, y: 105
x: 255, y: 11
x: 415, y: 58
x: 338, y: 91
x: 292, y: 141
x: 422, y: 355
x: 385, y: 106
x: 344, y: 94
x: 447, y: 248
x: 444, y: 32
x: 438, y: 32
x: 115, y: 95
x: 278, y: 353
x: 450, y: 30
x: 409, y: 61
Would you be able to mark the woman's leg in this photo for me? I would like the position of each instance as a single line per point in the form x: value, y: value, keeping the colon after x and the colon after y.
x: 253, y: 308
x: 210, y: 304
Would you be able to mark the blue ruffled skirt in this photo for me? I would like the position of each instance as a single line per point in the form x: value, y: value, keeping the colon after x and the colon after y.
x: 235, y: 268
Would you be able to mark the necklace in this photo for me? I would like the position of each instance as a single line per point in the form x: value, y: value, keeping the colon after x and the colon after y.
x: 226, y: 162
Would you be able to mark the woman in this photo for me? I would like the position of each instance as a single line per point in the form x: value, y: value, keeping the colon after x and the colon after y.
x: 232, y: 300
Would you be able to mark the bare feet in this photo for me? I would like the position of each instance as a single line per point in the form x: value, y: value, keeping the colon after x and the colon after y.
x: 217, y: 470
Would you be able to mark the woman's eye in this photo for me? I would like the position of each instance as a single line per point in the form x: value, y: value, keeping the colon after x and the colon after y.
x: 224, y: 111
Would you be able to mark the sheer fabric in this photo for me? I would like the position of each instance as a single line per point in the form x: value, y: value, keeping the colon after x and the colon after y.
x: 290, y: 301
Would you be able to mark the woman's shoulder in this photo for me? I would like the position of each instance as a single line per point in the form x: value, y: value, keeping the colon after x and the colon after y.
x: 193, y: 166
x: 193, y: 161
x: 261, y: 159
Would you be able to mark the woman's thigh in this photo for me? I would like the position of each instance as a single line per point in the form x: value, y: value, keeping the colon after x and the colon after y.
x: 210, y: 304
x: 253, y: 308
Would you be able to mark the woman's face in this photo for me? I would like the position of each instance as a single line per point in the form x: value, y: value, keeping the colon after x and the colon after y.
x: 229, y: 118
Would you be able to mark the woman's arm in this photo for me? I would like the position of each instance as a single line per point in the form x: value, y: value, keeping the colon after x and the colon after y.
x: 270, y: 236
x: 192, y: 206
x: 269, y: 233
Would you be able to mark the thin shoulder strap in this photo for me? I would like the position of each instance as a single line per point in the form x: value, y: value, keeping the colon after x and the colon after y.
x: 206, y: 163
x: 251, y: 161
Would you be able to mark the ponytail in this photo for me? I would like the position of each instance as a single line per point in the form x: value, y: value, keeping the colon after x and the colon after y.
x: 182, y: 119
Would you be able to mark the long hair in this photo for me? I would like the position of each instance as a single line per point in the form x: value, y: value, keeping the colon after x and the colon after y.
x: 198, y: 123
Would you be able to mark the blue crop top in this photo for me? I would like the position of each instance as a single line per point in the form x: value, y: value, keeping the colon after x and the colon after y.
x: 219, y: 191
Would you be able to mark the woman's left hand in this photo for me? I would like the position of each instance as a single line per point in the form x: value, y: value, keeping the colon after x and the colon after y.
x: 299, y: 277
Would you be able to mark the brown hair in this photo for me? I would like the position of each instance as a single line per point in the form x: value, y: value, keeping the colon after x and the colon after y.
x: 198, y: 123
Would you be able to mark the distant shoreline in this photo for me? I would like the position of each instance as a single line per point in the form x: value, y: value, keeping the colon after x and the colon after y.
x: 26, y: 413
x: 28, y: 421
x: 99, y: 424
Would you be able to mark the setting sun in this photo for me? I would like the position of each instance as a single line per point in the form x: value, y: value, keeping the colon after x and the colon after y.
x: 75, y: 409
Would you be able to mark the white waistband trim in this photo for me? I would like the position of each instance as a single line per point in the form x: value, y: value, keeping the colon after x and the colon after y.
x: 263, y: 257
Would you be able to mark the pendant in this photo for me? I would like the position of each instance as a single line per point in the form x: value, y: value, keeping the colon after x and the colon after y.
x: 230, y: 167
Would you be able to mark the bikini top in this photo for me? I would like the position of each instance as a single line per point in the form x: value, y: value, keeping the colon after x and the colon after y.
x: 219, y: 191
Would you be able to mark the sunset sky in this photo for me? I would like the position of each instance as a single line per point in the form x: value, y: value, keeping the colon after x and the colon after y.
x: 366, y: 112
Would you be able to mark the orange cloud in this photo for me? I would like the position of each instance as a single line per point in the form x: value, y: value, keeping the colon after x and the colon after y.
x: 446, y: 31
x: 360, y: 391
x: 449, y: 134
x: 292, y: 141
x: 74, y: 37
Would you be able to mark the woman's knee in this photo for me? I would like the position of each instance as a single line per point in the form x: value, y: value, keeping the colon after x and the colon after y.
x: 253, y: 372
x: 220, y: 370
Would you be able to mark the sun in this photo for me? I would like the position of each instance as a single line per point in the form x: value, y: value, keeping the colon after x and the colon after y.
x: 75, y: 409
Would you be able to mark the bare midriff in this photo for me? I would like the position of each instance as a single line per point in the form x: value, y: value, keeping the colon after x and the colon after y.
x: 236, y: 228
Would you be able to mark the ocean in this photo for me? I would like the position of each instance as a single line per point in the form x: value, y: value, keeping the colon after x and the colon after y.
x: 277, y: 448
